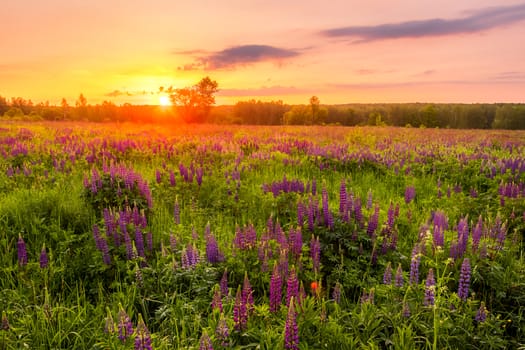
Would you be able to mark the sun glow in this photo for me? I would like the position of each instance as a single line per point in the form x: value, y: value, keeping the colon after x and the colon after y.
x: 164, y: 101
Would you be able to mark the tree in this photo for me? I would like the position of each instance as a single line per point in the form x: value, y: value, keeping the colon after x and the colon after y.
x: 194, y: 102
x: 81, y: 105
x: 314, y: 105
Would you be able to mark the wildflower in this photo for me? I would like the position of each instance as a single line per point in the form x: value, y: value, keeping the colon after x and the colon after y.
x: 44, y: 260
x: 125, y: 327
x: 464, y: 280
x: 223, y: 284
x: 387, y: 276
x: 343, y: 202
x: 406, y: 310
x: 414, y: 266
x: 291, y: 331
x: 275, y: 289
x: 315, y: 253
x: 213, y: 255
x: 240, y: 315
x: 301, y: 209
x: 430, y: 286
x: 5, y: 322
x: 22, y: 251
x: 143, y: 337
x: 205, y: 342
x: 399, y: 277
x: 222, y: 332
x: 216, y: 302
x: 139, y: 242
x: 247, y: 293
x: 292, y: 287
x: 410, y: 194
x: 336, y: 293
x: 481, y: 314
x: 372, y: 222
x: 328, y: 219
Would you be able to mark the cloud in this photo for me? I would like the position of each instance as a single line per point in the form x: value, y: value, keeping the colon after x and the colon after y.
x: 240, y: 56
x: 475, y: 22
x: 117, y: 93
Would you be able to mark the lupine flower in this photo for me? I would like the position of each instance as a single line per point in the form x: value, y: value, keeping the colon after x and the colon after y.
x: 222, y: 332
x: 391, y: 216
x: 125, y: 327
x: 143, y: 337
x: 247, y: 294
x: 21, y: 251
x: 406, y: 310
x: 481, y: 314
x: 129, y: 246
x: 223, y: 284
x: 5, y: 322
x: 368, y: 297
x: 430, y: 286
x: 464, y: 280
x: 387, y: 276
x: 173, y: 242
x: 336, y: 293
x: 399, y: 277
x: 292, y: 286
x: 328, y: 219
x: 291, y: 331
x: 373, y: 222
x: 410, y: 193
x: 205, y: 342
x: 105, y: 251
x: 240, y: 314
x: 213, y: 255
x: 44, y: 260
x: 315, y: 253
x: 414, y: 266
x: 343, y: 201
x: 358, y: 213
x: 300, y: 213
x: 216, y: 302
x: 176, y: 212
x: 296, y: 242
x: 275, y: 289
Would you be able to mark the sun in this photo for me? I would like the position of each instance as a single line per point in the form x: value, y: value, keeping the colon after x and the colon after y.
x: 164, y: 101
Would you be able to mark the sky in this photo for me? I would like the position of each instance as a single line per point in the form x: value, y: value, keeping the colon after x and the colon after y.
x: 343, y: 51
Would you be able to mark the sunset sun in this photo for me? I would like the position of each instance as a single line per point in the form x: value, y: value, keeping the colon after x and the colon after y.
x: 164, y: 101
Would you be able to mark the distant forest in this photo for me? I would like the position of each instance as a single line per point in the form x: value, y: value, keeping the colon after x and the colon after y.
x: 432, y: 115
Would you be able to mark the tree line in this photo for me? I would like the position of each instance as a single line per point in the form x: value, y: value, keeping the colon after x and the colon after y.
x: 195, y: 104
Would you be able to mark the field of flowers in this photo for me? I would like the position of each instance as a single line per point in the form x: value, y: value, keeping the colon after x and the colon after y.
x: 214, y: 237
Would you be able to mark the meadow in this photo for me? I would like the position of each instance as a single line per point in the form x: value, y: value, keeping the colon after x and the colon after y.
x: 128, y: 236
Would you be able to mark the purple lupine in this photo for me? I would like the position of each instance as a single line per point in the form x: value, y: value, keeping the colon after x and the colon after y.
x: 300, y: 213
x: 410, y: 193
x: 296, y: 242
x: 205, y: 342
x: 222, y: 331
x: 464, y: 280
x: 391, y: 216
x: 387, y: 276
x: 368, y: 297
x: 247, y: 294
x: 142, y: 337
x: 373, y: 222
x: 223, y: 284
x: 315, y: 253
x: 291, y: 331
x: 216, y: 301
x: 343, y: 201
x: 358, y: 213
x: 173, y: 242
x: 406, y: 310
x: 275, y: 289
x: 139, y: 242
x: 336, y: 293
x: 176, y: 212
x: 430, y: 286
x: 477, y: 232
x: 311, y: 214
x: 414, y: 266
x: 125, y: 327
x: 213, y: 255
x: 104, y: 249
x: 399, y: 280
x: 173, y: 182
x: 240, y: 315
x: 44, y: 260
x: 21, y: 251
x: 463, y: 233
x: 129, y: 246
x: 292, y: 286
x: 481, y: 314
x: 438, y: 236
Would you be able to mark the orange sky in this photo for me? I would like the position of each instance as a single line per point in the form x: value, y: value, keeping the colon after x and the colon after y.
x: 342, y: 51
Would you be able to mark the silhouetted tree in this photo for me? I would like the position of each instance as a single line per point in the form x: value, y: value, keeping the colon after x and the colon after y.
x: 194, y: 102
